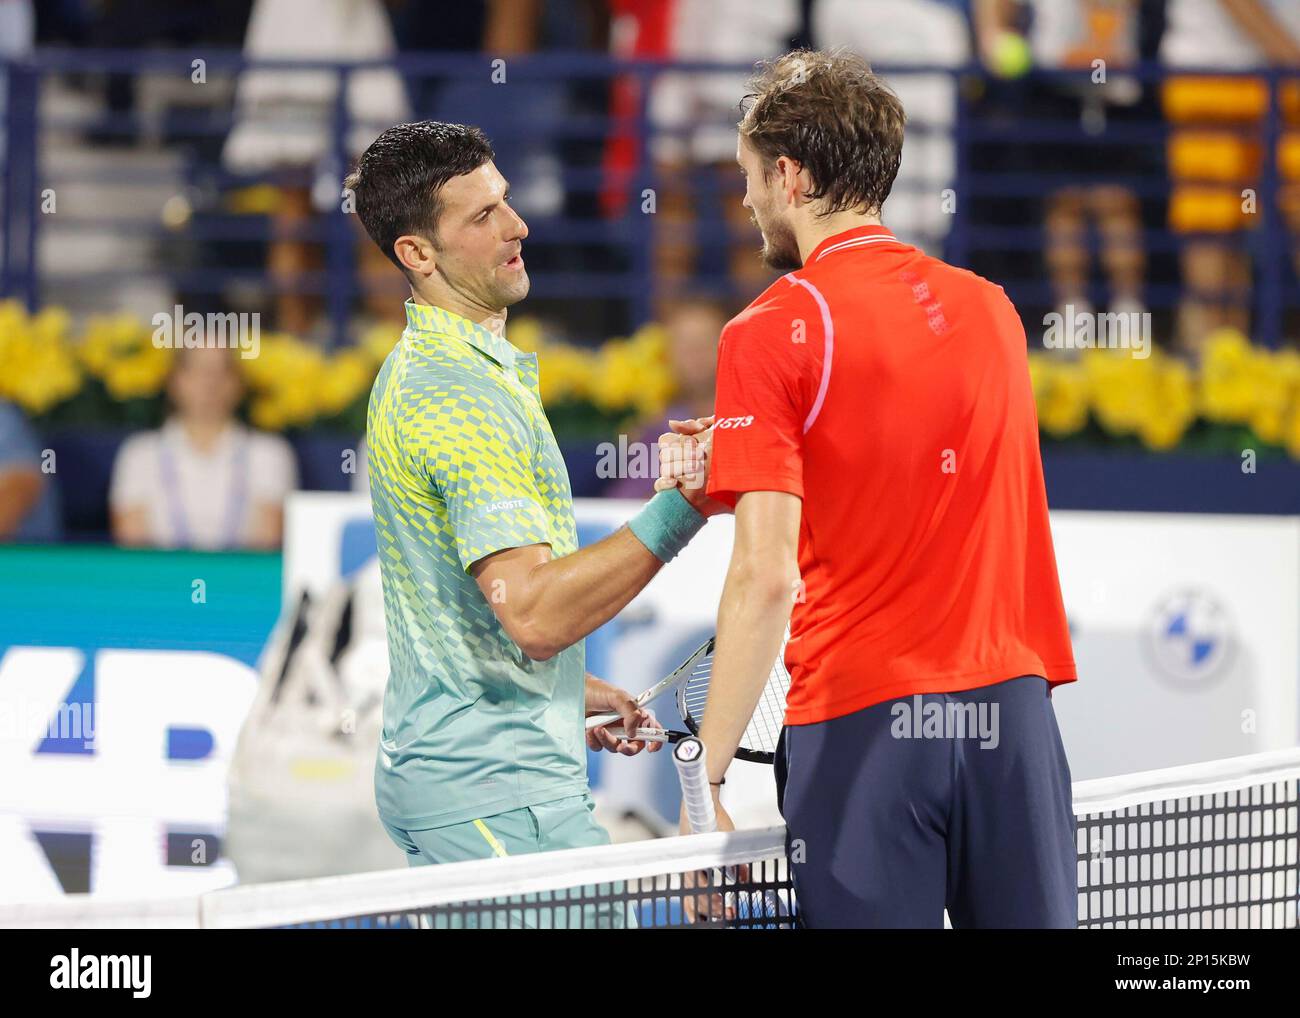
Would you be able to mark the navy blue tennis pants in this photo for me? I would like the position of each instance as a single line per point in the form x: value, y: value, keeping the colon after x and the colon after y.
x: 943, y: 800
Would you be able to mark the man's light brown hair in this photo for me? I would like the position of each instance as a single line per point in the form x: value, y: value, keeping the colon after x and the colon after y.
x: 832, y: 115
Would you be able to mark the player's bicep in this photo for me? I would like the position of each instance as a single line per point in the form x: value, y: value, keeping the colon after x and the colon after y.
x: 505, y: 580
x: 759, y: 410
x: 767, y: 530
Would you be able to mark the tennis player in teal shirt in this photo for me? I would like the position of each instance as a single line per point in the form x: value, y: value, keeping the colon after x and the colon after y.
x: 487, y: 596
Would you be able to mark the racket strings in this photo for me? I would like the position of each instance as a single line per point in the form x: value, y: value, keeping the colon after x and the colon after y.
x: 764, y: 727
x: 769, y: 715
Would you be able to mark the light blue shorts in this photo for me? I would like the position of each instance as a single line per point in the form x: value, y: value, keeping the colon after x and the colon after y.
x: 545, y: 827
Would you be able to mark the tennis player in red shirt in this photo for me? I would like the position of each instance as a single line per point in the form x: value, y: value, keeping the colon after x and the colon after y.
x: 877, y: 437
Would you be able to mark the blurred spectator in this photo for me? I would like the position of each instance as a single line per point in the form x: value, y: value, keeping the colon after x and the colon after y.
x: 501, y: 100
x: 510, y: 109
x: 203, y: 480
x: 284, y: 123
x: 545, y: 131
x: 693, y: 125
x: 119, y: 24
x: 1071, y: 35
x: 693, y: 325
x: 1214, y: 146
x: 902, y: 33
x: 28, y: 503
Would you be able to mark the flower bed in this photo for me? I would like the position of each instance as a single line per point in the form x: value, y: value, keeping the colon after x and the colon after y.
x: 110, y: 374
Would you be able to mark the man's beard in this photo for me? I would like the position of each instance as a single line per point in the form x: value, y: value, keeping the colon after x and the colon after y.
x: 780, y: 249
x: 493, y: 293
x: 511, y: 293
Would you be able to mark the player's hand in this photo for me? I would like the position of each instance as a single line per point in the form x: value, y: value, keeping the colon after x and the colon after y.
x: 684, y: 463
x: 683, y: 455
x: 602, y: 698
x: 725, y: 822
x: 711, y: 906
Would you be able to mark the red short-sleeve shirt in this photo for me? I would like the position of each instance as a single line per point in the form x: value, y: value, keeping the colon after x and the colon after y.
x: 890, y: 391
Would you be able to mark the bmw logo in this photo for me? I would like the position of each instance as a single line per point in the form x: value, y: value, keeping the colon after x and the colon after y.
x: 1189, y: 638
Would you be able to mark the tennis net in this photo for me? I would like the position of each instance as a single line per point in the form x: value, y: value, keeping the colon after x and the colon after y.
x: 1210, y: 846
x: 1206, y: 846
x: 739, y: 880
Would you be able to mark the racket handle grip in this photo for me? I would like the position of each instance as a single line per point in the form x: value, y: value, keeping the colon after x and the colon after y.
x: 691, y: 770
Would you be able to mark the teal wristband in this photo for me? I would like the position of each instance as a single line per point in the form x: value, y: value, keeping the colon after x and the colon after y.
x: 666, y: 524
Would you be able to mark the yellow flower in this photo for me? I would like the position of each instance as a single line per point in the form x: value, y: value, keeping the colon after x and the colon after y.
x: 287, y: 375
x: 346, y: 377
x: 298, y: 399
x: 1291, y: 434
x: 632, y: 375
x: 377, y: 342
x: 51, y: 325
x: 615, y: 385
x: 267, y: 414
x: 526, y: 334
x: 649, y: 348
x: 1061, y: 393
x: 1278, y: 399
x: 564, y: 373
x: 107, y: 338
x: 292, y: 383
x: 1171, y: 408
x: 119, y: 351
x: 13, y: 318
x: 1227, y: 374
x: 1152, y: 397
x: 1118, y: 390
x: 38, y: 369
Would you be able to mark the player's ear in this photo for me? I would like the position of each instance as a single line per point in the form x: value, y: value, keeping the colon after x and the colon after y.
x: 805, y: 183
x: 795, y: 180
x: 416, y: 254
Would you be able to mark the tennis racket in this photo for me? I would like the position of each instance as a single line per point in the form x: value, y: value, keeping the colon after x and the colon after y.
x: 745, y: 905
x: 690, y: 683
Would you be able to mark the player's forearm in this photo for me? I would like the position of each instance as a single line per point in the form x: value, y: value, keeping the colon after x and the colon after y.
x: 568, y: 598
x: 756, y: 602
x: 548, y: 604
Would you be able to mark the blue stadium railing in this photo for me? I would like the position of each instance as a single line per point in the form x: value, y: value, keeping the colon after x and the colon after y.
x: 621, y: 266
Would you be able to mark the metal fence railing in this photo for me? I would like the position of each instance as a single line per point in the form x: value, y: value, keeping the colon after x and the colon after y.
x: 620, y: 169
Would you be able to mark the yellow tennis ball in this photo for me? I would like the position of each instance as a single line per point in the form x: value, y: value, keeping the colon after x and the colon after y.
x: 1012, y: 56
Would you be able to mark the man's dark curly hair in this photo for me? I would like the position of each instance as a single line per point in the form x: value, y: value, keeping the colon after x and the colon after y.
x: 833, y: 116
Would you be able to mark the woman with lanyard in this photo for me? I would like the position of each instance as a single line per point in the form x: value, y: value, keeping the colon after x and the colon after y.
x: 203, y: 480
